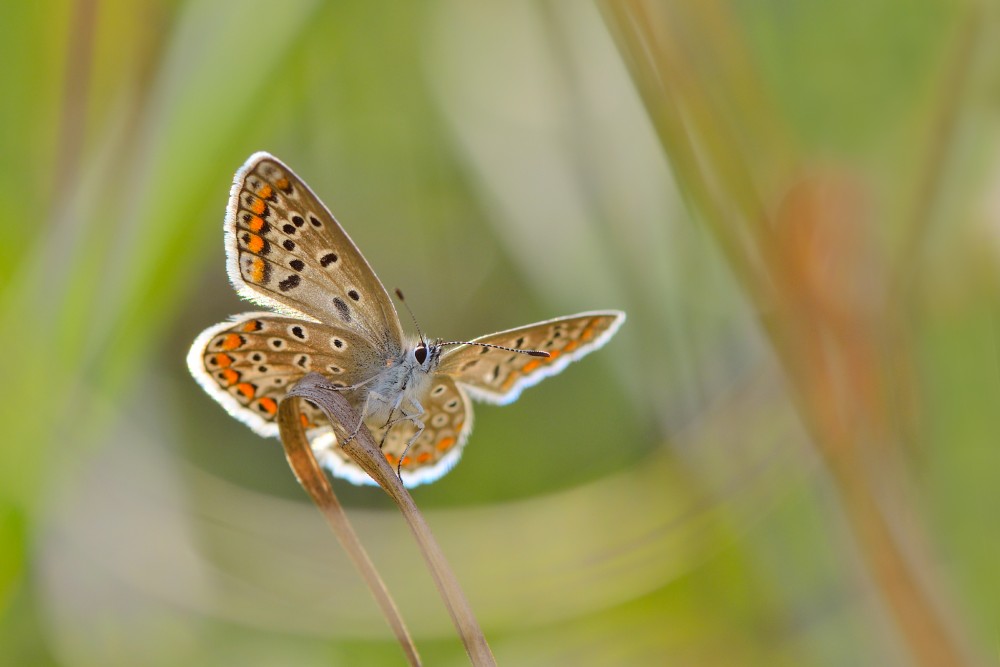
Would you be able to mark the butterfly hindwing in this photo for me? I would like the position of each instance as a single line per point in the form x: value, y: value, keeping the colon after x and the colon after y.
x: 285, y: 250
x: 499, y: 376
x: 249, y: 364
x: 447, y: 423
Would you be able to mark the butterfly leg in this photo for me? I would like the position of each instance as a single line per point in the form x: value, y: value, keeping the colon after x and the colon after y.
x: 349, y: 387
x: 389, y: 422
x: 396, y: 407
x: 361, y: 417
x: 364, y: 409
x: 418, y: 424
x: 409, y: 443
x: 414, y: 416
x: 404, y: 417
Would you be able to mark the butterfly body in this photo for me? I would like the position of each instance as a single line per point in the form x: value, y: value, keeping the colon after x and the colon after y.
x: 333, y: 316
x: 401, y: 385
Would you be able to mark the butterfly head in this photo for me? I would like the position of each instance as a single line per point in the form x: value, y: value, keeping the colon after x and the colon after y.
x: 427, y: 355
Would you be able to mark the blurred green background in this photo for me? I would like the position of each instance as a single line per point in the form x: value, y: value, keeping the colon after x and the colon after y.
x: 798, y: 205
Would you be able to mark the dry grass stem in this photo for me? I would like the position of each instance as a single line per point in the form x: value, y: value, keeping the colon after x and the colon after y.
x: 366, y: 453
x: 314, y: 481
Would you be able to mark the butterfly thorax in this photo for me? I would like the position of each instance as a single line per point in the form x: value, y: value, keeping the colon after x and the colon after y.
x: 400, y: 387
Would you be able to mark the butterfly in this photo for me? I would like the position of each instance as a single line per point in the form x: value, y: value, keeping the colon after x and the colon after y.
x: 330, y: 314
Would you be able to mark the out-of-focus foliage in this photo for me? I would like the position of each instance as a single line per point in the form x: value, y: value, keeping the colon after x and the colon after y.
x: 755, y: 182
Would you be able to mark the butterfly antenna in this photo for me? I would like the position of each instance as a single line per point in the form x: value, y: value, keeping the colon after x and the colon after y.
x: 402, y: 300
x: 531, y: 353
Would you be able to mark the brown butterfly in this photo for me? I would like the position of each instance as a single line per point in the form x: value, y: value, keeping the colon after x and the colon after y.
x: 332, y: 315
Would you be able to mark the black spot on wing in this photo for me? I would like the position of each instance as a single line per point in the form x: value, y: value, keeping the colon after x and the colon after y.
x: 342, y: 309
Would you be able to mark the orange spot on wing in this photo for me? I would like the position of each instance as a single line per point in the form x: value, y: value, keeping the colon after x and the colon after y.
x: 246, y: 389
x: 570, y: 346
x: 269, y: 405
x: 230, y: 377
x: 255, y: 244
x: 587, y: 334
x: 553, y: 355
x: 223, y: 360
x: 282, y: 183
x: 257, y: 270
x: 232, y: 341
x: 530, y: 366
x: 406, y: 461
x: 390, y: 458
x: 258, y: 206
x: 511, y: 379
x: 305, y: 421
x: 265, y: 191
x: 445, y: 443
x: 424, y: 457
x: 252, y: 325
x: 256, y: 223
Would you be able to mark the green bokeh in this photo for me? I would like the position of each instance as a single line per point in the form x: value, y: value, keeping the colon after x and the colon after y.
x: 657, y: 503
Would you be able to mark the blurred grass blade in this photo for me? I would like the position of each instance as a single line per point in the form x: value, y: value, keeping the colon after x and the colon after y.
x: 803, y: 252
x: 363, y: 450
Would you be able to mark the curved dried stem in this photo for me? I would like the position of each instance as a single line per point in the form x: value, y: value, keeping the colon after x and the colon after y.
x: 365, y: 452
x: 313, y: 480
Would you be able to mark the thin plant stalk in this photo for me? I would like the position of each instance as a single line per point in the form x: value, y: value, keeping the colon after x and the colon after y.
x: 365, y: 452
x: 312, y: 478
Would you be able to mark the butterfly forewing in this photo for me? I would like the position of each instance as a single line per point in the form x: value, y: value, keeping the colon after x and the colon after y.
x: 447, y: 423
x: 498, y: 376
x: 286, y: 250
x: 249, y: 364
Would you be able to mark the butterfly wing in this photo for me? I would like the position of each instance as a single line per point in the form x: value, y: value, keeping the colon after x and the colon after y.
x: 248, y: 364
x: 286, y: 251
x: 447, y: 422
x: 498, y: 376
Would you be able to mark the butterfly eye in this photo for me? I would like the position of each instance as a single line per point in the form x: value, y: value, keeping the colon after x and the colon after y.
x: 420, y: 353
